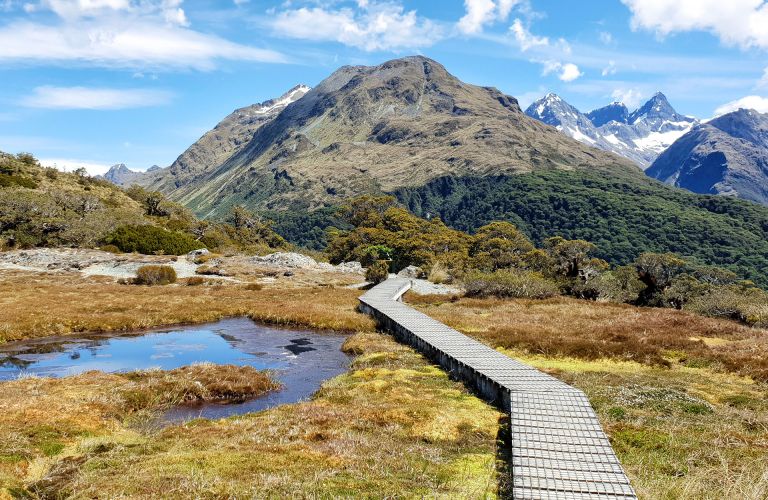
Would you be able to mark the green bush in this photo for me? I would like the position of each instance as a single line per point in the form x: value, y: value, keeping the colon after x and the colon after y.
x: 510, y: 283
x: 152, y: 240
x: 377, y: 272
x: 155, y: 275
x: 8, y: 180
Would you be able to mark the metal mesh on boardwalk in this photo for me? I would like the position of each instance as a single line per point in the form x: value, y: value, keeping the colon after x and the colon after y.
x: 559, y: 449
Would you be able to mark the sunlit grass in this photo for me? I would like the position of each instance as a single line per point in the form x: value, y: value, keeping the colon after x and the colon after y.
x: 394, y: 426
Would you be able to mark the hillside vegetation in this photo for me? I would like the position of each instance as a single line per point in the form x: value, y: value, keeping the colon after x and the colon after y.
x: 499, y: 260
x: 43, y: 207
x: 624, y: 215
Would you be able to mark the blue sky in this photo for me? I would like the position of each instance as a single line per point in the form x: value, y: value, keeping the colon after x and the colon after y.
x: 99, y: 82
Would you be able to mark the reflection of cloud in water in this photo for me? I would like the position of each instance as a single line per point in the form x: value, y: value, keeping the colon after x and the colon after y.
x: 163, y: 355
x: 102, y: 355
x: 180, y: 347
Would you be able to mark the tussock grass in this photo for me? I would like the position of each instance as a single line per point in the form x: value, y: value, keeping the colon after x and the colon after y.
x: 43, y: 418
x: 394, y: 426
x: 590, y: 330
x: 44, y: 305
x: 669, y: 386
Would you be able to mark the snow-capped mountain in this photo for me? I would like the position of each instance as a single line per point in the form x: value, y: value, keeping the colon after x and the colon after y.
x: 727, y: 155
x: 640, y: 136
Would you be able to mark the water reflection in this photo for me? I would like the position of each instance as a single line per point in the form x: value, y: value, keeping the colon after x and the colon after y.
x: 301, y: 360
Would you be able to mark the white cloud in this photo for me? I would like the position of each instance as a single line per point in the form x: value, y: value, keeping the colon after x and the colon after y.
x: 70, y: 165
x: 755, y: 102
x: 525, y: 39
x: 610, y: 69
x: 567, y: 72
x: 49, y: 97
x: 482, y: 12
x: 736, y: 22
x: 605, y: 38
x: 631, y: 97
x: 375, y: 26
x: 116, y: 33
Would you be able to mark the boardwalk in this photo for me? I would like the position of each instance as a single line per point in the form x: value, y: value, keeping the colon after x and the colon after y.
x: 559, y: 450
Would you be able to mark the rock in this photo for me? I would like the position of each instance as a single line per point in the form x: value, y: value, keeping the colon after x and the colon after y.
x: 350, y: 267
x: 286, y: 259
x: 198, y: 252
x: 411, y: 272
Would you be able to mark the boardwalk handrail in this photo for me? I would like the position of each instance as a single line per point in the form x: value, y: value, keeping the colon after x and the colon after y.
x: 558, y: 448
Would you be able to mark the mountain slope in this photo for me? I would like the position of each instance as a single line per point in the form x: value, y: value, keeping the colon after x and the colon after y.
x: 227, y: 138
x: 727, y: 156
x: 614, y: 112
x: 639, y: 136
x: 377, y: 129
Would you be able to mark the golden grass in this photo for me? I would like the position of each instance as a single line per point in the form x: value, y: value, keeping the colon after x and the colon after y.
x: 38, y: 305
x: 394, y: 426
x: 590, y: 330
x: 43, y: 417
x: 686, y: 426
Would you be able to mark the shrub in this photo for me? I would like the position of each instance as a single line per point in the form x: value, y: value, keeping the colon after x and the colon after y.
x: 110, y: 249
x: 195, y: 281
x: 748, y: 305
x: 439, y: 274
x: 155, y: 275
x: 377, y: 272
x: 510, y: 283
x: 8, y: 180
x: 254, y: 287
x: 152, y: 240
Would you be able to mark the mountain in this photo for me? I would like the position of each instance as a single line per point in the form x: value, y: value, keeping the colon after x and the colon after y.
x: 639, y: 136
x: 726, y: 156
x: 121, y: 175
x: 375, y: 128
x: 227, y: 138
x: 468, y: 154
x: 614, y: 112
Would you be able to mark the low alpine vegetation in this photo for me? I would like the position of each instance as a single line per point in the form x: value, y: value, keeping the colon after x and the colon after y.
x: 155, y: 275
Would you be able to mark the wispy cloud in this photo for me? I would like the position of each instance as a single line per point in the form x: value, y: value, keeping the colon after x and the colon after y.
x: 372, y: 26
x: 116, y: 33
x: 50, y: 97
x: 482, y: 12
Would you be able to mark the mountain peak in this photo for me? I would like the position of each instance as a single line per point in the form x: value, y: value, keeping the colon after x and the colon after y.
x: 657, y: 107
x: 616, y: 112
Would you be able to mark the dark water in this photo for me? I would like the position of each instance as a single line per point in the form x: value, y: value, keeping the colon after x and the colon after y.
x: 301, y: 360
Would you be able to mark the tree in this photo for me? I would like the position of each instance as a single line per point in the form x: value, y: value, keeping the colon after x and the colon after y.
x: 569, y: 255
x: 499, y: 245
x: 656, y: 271
x: 683, y: 289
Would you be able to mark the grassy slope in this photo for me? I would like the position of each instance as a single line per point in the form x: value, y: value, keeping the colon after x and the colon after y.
x: 624, y: 214
x: 688, y: 429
